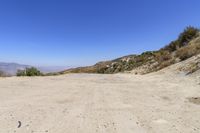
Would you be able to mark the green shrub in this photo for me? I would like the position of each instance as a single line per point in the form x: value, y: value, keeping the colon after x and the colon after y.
x: 173, y: 46
x: 188, y: 34
x: 184, y: 38
x: 147, y: 53
x: 29, y: 72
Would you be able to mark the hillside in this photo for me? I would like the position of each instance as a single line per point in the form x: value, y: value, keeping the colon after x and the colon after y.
x: 185, y: 46
x: 103, y: 67
x: 190, y: 67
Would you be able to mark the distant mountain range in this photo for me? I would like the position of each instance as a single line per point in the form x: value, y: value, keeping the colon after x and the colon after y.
x: 52, y: 69
x: 12, y: 68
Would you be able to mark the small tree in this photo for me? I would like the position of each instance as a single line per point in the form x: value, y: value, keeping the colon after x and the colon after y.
x: 2, y: 74
x: 188, y: 34
x: 29, y: 72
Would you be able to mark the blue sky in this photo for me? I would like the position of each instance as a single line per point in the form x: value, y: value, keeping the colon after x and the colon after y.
x: 83, y: 32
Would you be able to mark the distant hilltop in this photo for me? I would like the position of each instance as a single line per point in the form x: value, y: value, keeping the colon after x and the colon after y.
x: 11, y: 69
x: 185, y: 46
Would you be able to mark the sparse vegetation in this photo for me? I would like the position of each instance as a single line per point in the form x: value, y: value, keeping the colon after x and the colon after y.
x: 184, y: 38
x: 53, y: 74
x: 186, y: 46
x: 29, y: 72
x: 188, y: 51
x: 184, y: 54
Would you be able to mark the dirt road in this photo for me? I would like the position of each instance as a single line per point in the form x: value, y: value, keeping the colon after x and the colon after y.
x: 84, y: 103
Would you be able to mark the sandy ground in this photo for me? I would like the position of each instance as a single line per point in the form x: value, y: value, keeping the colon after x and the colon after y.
x: 85, y: 103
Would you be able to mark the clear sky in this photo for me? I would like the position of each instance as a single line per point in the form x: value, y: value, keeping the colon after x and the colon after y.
x: 83, y: 32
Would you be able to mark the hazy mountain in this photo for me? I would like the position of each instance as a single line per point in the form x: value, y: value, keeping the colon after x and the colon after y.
x: 11, y: 68
x: 52, y: 69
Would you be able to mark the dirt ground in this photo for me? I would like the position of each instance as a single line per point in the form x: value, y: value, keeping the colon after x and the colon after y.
x: 89, y: 103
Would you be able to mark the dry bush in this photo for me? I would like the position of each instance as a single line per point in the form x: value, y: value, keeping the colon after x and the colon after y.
x: 193, y: 68
x: 184, y: 54
x: 189, y: 51
x: 166, y: 63
x: 163, y: 55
